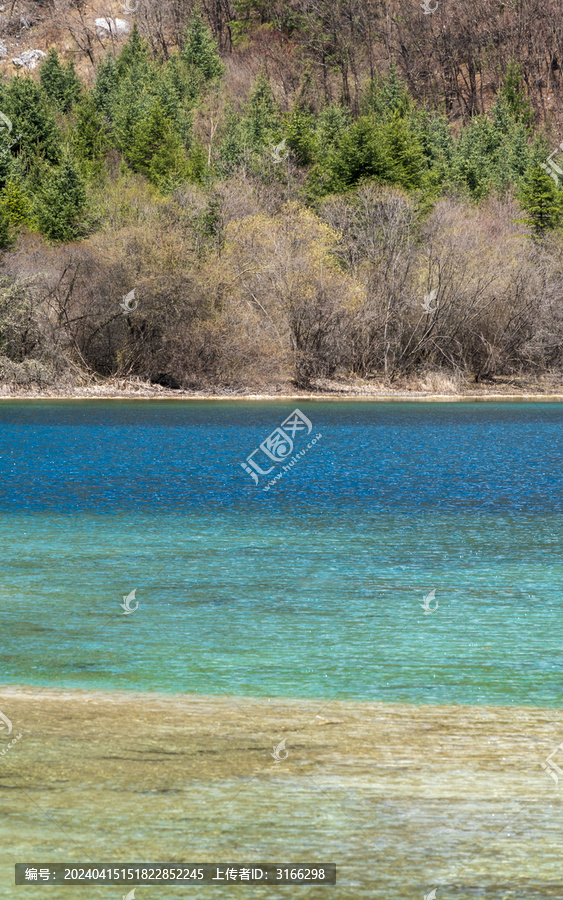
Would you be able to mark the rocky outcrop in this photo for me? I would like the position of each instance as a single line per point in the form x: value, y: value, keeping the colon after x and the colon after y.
x: 29, y: 59
x: 112, y: 27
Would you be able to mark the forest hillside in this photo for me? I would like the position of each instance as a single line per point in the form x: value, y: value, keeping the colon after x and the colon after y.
x: 244, y: 196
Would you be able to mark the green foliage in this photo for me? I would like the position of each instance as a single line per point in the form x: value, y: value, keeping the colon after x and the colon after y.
x: 300, y: 135
x: 436, y: 140
x: 89, y: 135
x: 106, y: 85
x: 542, y: 200
x: 514, y: 95
x: 491, y: 152
x: 7, y: 238
x: 62, y: 203
x: 387, y: 96
x: 387, y: 151
x: 178, y: 87
x: 16, y: 203
x: 134, y: 55
x: 200, y: 49
x: 7, y: 141
x: 231, y: 145
x: 60, y: 83
x: 34, y: 122
x: 261, y: 123
x: 197, y: 170
x: 156, y: 150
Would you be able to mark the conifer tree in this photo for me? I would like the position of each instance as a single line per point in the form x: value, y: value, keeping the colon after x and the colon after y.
x: 15, y: 201
x: 34, y: 123
x: 106, y: 85
x: 386, y: 96
x: 513, y: 93
x: 89, y: 135
x: 60, y: 83
x: 200, y: 49
x: 332, y: 123
x: 62, y: 203
x: 156, y: 150
x: 261, y: 122
x: 300, y: 135
x: 135, y: 54
x: 405, y: 162
x: 542, y: 200
x: 359, y: 155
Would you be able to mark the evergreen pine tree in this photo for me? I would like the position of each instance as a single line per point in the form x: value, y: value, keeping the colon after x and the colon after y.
x: 89, y: 135
x: 135, y: 54
x: 331, y: 125
x: 231, y: 150
x: 405, y: 161
x: 156, y: 150
x: 106, y: 85
x: 476, y: 156
x: 300, y: 135
x: 34, y: 123
x: 386, y: 96
x: 513, y: 93
x: 15, y: 202
x: 260, y: 125
x: 359, y: 155
x: 542, y: 200
x: 200, y: 48
x: 62, y: 203
x: 60, y: 83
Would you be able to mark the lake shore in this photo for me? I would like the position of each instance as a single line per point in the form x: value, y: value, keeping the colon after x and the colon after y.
x: 431, y: 388
x: 403, y: 796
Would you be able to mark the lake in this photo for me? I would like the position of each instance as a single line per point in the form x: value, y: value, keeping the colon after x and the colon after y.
x: 313, y: 588
x: 379, y: 585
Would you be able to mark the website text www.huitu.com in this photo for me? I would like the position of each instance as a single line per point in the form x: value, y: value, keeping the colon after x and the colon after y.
x: 291, y: 463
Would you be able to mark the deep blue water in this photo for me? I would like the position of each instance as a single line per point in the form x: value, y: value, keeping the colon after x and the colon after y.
x: 310, y: 588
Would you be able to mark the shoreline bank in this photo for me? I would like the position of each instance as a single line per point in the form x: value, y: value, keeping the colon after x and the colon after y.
x: 391, y: 397
x: 429, y: 389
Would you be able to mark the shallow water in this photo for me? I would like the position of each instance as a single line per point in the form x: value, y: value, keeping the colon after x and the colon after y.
x: 310, y: 589
x: 402, y: 799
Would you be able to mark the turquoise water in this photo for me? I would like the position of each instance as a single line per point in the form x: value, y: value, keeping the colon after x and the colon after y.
x: 310, y: 589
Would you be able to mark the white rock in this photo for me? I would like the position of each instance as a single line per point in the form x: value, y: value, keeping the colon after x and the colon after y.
x: 114, y: 27
x: 29, y: 59
x: 3, y: 49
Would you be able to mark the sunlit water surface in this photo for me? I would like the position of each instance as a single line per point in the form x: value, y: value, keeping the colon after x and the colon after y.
x: 312, y: 589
